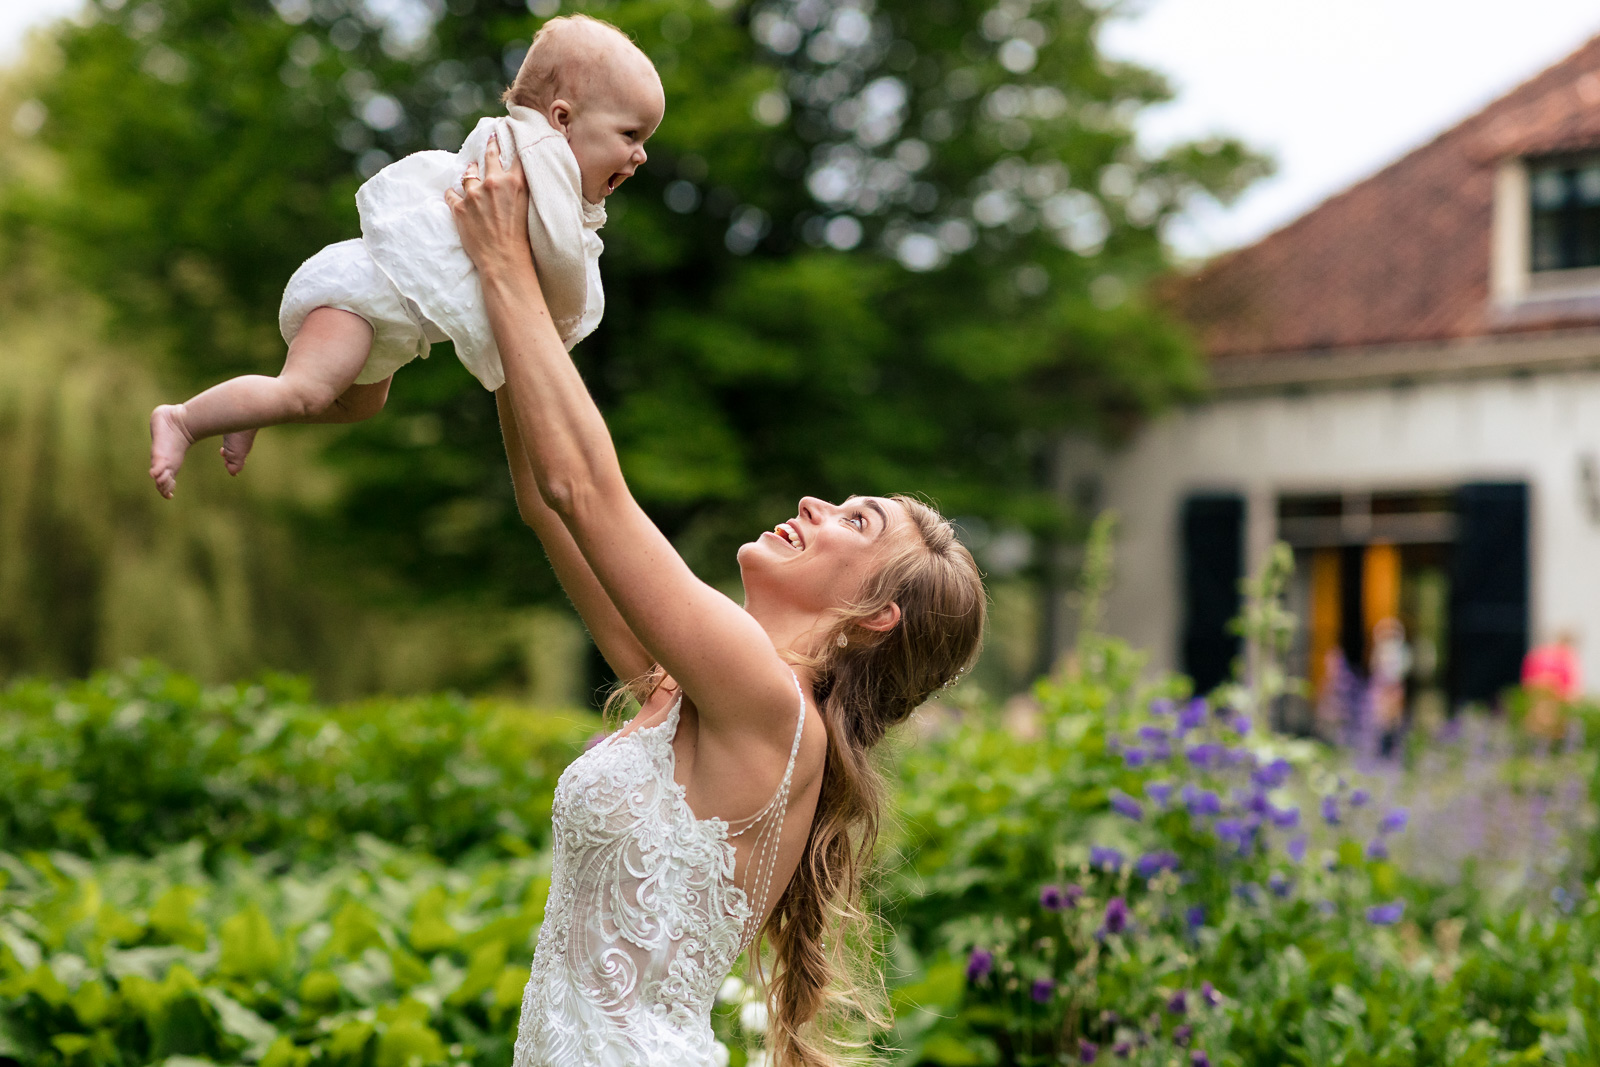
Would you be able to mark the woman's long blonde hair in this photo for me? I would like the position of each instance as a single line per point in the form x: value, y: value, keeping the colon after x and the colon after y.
x: 820, y: 934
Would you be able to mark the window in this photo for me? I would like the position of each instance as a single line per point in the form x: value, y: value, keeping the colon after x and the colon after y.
x: 1564, y: 195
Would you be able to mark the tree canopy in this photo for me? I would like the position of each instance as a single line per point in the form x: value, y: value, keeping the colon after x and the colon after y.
x: 891, y: 246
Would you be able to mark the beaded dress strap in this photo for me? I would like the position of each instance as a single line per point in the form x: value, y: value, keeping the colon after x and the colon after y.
x: 768, y: 826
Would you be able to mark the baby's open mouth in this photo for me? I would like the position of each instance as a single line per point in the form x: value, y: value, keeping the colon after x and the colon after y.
x: 614, y: 181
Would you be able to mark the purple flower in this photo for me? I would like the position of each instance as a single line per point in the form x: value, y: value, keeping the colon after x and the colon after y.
x: 1158, y: 792
x: 1123, y: 804
x: 1202, y: 801
x: 1283, y: 818
x: 1087, y: 1050
x: 1394, y: 821
x: 1296, y: 847
x: 1043, y: 989
x: 1273, y: 774
x: 1252, y: 800
x: 1198, y: 1058
x: 1248, y: 892
x: 979, y: 964
x: 1153, y: 863
x: 1116, y: 915
x: 1058, y: 898
x: 1195, y: 917
x: 1160, y: 752
x: 1386, y: 914
x: 1330, y: 810
x: 1106, y: 859
x: 1155, y: 735
x: 1359, y: 798
x: 1192, y: 715
x: 1133, y: 757
x: 1122, y: 1049
x: 1161, y: 706
x: 1178, y: 1003
x: 1377, y: 849
x: 1280, y: 884
x: 1229, y: 831
x: 1209, y: 994
x: 1234, y: 757
x: 1181, y: 1034
x: 1203, y: 754
x: 1240, y: 723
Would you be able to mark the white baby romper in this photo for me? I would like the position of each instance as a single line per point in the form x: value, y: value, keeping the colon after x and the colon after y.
x: 409, y: 276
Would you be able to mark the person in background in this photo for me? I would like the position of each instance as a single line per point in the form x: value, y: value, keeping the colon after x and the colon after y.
x: 1388, y: 667
x: 1553, y: 680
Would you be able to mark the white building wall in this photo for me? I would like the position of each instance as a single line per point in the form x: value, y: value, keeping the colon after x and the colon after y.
x: 1536, y: 428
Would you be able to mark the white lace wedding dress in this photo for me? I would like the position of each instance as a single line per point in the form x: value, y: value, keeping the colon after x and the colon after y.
x: 645, y: 918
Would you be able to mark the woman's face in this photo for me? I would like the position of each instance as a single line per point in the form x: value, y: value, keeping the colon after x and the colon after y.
x: 821, y: 558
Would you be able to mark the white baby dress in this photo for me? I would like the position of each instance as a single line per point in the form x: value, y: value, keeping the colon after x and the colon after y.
x: 409, y: 277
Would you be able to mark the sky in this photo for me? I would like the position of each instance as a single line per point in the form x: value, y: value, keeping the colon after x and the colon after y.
x: 1332, y: 89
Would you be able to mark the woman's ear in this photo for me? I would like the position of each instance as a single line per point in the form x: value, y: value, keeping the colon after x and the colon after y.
x: 884, y: 621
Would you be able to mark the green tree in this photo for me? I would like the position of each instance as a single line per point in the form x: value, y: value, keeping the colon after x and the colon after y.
x: 886, y: 247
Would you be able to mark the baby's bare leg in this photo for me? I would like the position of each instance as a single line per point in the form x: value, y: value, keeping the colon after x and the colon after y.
x: 323, y: 361
x: 355, y: 404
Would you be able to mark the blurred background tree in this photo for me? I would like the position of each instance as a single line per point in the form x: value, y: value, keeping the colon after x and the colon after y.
x: 900, y: 246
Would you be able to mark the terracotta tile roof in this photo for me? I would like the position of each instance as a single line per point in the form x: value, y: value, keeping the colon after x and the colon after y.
x: 1404, y: 255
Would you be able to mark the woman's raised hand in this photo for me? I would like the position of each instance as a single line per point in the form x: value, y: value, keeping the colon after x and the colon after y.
x: 491, y: 212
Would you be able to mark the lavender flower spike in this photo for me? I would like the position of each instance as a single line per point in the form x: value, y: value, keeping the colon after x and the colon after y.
x: 1087, y: 1050
x: 1153, y: 863
x: 1386, y: 914
x: 1393, y: 821
x: 1158, y: 792
x: 1377, y: 849
x: 1192, y: 715
x: 1123, y: 804
x: 1043, y: 989
x: 1106, y: 859
x: 1296, y: 847
x: 1330, y: 810
x: 979, y: 964
x: 1116, y: 915
x: 1198, y: 1058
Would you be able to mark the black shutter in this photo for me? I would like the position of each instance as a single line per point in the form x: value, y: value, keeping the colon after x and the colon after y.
x: 1489, y: 590
x: 1213, y: 564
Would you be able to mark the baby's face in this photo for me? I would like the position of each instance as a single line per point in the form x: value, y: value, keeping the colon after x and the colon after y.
x: 608, y: 128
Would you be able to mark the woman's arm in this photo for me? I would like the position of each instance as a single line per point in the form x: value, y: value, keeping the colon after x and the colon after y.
x: 710, y: 645
x: 617, y: 643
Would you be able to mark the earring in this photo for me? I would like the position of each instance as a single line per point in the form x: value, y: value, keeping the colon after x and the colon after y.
x: 842, y: 641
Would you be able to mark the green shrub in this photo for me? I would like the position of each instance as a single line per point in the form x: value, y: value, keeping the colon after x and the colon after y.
x: 139, y: 760
x: 386, y: 958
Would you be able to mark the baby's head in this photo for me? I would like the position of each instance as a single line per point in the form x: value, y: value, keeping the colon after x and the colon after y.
x: 598, y: 88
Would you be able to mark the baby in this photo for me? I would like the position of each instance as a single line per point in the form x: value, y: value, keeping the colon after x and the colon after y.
x: 583, y: 104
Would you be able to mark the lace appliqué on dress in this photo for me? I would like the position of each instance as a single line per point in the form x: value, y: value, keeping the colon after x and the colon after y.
x: 644, y: 918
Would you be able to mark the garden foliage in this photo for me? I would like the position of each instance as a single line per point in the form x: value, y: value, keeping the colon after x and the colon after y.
x: 142, y: 760
x: 1125, y: 874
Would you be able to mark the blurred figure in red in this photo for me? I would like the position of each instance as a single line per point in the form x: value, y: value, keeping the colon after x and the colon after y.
x: 1552, y: 677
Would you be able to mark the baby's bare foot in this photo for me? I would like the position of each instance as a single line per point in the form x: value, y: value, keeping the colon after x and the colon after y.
x: 236, y: 448
x: 169, y: 443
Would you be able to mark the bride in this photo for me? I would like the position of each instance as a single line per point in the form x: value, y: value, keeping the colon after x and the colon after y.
x: 742, y: 800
